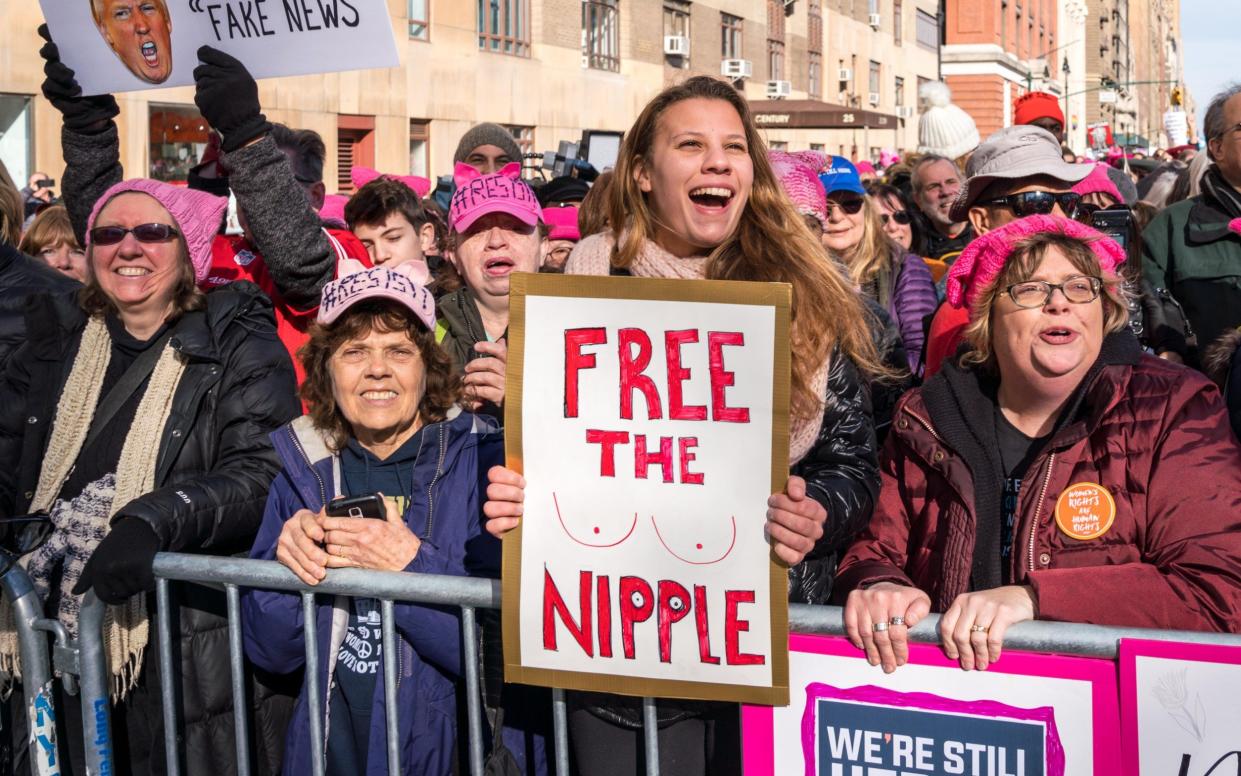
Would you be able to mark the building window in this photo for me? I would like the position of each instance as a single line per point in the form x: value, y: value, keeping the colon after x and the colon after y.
x: 775, y: 60
x: 898, y: 91
x: 730, y: 36
x: 601, y: 35
x: 815, y: 26
x: 524, y: 137
x: 921, y: 82
x: 178, y: 135
x: 778, y: 145
x: 16, y: 137
x: 419, y: 20
x: 898, y: 21
x: 817, y: 147
x: 355, y: 147
x: 676, y: 23
x: 875, y: 75
x: 420, y: 147
x: 816, y: 76
x: 927, y: 30
x: 504, y: 27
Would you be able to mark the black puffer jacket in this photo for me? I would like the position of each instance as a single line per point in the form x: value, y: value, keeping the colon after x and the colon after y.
x: 21, y: 277
x: 213, y: 471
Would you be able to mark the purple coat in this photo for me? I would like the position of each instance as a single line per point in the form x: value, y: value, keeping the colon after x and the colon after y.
x: 912, y: 300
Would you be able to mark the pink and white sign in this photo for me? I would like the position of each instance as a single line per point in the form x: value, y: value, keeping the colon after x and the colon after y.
x: 1180, y: 708
x: 1027, y: 715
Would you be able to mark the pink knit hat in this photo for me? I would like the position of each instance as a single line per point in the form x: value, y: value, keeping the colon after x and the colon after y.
x: 197, y: 215
x: 360, y: 176
x: 561, y: 222
x: 1098, y: 182
x: 801, y: 183
x: 983, y: 260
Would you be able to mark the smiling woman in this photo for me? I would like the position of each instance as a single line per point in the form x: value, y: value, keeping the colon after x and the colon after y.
x: 1085, y: 463
x: 139, y: 33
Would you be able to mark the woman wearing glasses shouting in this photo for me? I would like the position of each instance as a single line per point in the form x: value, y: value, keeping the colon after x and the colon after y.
x: 135, y: 419
x: 1054, y: 472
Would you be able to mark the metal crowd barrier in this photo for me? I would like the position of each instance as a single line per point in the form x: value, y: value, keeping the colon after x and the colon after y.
x: 82, y: 661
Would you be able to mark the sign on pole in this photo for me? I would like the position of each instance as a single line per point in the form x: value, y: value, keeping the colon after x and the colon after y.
x: 1026, y: 715
x: 650, y: 419
x: 1180, y: 712
x: 128, y: 45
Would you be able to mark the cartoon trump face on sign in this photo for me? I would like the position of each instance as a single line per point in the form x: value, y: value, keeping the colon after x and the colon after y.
x: 140, y: 33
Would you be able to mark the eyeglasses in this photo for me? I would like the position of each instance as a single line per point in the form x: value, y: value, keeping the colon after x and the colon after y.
x: 143, y: 233
x: 1233, y: 128
x: 899, y: 216
x: 1078, y: 289
x: 851, y: 206
x: 1041, y: 203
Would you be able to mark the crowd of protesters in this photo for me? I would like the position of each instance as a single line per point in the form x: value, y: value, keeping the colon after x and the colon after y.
x: 977, y: 328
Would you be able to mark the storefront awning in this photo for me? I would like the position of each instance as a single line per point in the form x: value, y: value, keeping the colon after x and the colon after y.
x: 812, y: 114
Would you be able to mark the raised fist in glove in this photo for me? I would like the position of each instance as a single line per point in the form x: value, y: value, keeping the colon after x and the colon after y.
x: 228, y: 98
x: 121, y: 564
x: 84, y: 115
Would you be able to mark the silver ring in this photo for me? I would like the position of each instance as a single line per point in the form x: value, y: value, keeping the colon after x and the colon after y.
x: 979, y: 629
x: 897, y: 620
x: 880, y: 627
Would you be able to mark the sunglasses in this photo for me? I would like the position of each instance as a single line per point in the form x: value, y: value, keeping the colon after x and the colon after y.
x: 143, y: 233
x: 25, y: 533
x: 1040, y: 203
x: 899, y: 216
x: 851, y: 205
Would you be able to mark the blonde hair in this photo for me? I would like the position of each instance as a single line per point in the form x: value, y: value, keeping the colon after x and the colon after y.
x: 97, y: 9
x: 49, y: 229
x: 875, y: 250
x: 1024, y: 260
x: 770, y: 244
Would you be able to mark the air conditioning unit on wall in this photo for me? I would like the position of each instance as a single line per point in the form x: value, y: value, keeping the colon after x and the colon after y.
x: 874, y: 20
x: 779, y: 89
x: 676, y: 46
x: 874, y: 98
x: 846, y: 74
x: 736, y: 68
x: 905, y: 112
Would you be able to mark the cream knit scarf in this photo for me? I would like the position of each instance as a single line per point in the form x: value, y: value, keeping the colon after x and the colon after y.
x: 126, y: 626
x: 593, y: 256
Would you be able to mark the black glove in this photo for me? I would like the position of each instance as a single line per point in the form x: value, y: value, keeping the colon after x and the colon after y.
x: 84, y: 115
x: 121, y: 564
x: 228, y: 98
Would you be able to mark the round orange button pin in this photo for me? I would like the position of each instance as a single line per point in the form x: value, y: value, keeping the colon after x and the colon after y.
x: 1085, y: 511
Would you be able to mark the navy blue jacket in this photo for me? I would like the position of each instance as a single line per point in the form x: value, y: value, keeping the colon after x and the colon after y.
x: 450, y: 477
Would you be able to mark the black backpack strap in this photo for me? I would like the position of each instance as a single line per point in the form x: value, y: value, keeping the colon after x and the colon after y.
x: 131, y: 381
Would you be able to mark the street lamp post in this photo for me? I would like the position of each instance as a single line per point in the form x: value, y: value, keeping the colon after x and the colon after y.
x: 1064, y: 68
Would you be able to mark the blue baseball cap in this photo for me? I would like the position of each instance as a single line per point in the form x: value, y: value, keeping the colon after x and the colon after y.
x: 841, y: 175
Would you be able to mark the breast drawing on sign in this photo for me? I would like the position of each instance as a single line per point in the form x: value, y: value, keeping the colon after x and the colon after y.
x: 590, y: 528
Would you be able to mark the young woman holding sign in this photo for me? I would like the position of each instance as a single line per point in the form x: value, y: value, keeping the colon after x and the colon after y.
x: 694, y: 196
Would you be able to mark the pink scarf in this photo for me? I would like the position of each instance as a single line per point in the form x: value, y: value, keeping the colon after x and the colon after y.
x: 593, y: 256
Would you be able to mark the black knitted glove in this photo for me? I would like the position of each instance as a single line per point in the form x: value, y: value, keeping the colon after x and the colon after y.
x: 121, y: 564
x: 228, y: 98
x: 84, y: 115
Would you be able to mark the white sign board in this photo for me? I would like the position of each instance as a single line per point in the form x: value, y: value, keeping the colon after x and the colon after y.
x: 128, y: 45
x: 649, y: 418
x: 1180, y: 712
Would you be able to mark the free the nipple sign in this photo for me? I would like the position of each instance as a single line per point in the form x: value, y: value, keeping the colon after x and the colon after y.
x: 671, y: 459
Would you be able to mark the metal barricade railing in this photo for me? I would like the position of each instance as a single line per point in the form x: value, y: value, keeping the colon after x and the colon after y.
x: 80, y: 664
x: 84, y: 658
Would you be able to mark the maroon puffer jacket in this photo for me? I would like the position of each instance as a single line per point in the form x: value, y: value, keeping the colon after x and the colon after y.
x: 1153, y: 434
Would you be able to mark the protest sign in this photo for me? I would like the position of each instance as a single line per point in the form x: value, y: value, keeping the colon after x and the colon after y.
x: 127, y: 45
x: 1026, y: 715
x: 650, y: 420
x: 1180, y: 713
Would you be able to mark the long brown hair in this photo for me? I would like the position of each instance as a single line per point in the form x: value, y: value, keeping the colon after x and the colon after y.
x: 875, y: 250
x: 771, y: 244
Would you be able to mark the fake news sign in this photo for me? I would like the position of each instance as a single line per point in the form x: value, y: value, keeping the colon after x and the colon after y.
x: 650, y: 419
x: 128, y: 45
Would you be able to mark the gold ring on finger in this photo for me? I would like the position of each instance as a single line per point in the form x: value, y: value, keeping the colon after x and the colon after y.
x: 880, y: 627
x: 979, y: 629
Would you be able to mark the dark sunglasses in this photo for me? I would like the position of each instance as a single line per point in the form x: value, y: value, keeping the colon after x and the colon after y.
x: 850, y: 205
x: 143, y: 233
x: 899, y: 216
x: 1040, y: 203
x: 26, y: 533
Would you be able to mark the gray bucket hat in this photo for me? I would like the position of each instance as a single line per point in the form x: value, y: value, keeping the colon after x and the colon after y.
x: 1023, y: 151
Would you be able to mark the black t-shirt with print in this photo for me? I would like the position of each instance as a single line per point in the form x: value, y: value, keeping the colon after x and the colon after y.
x: 1017, y: 453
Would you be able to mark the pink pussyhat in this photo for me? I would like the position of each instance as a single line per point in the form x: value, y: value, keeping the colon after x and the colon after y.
x: 501, y: 192
x: 356, y: 283
x: 1098, y: 182
x: 983, y: 260
x: 360, y: 176
x: 197, y: 216
x: 1234, y: 226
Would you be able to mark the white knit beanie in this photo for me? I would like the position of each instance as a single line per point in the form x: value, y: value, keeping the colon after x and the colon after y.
x: 943, y: 128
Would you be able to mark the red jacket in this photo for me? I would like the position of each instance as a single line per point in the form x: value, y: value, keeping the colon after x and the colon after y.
x: 1153, y: 434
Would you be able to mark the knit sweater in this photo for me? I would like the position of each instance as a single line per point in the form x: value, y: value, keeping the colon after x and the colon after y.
x: 593, y: 256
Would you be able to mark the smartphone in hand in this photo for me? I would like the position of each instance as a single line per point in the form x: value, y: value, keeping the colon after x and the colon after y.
x: 370, y: 505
